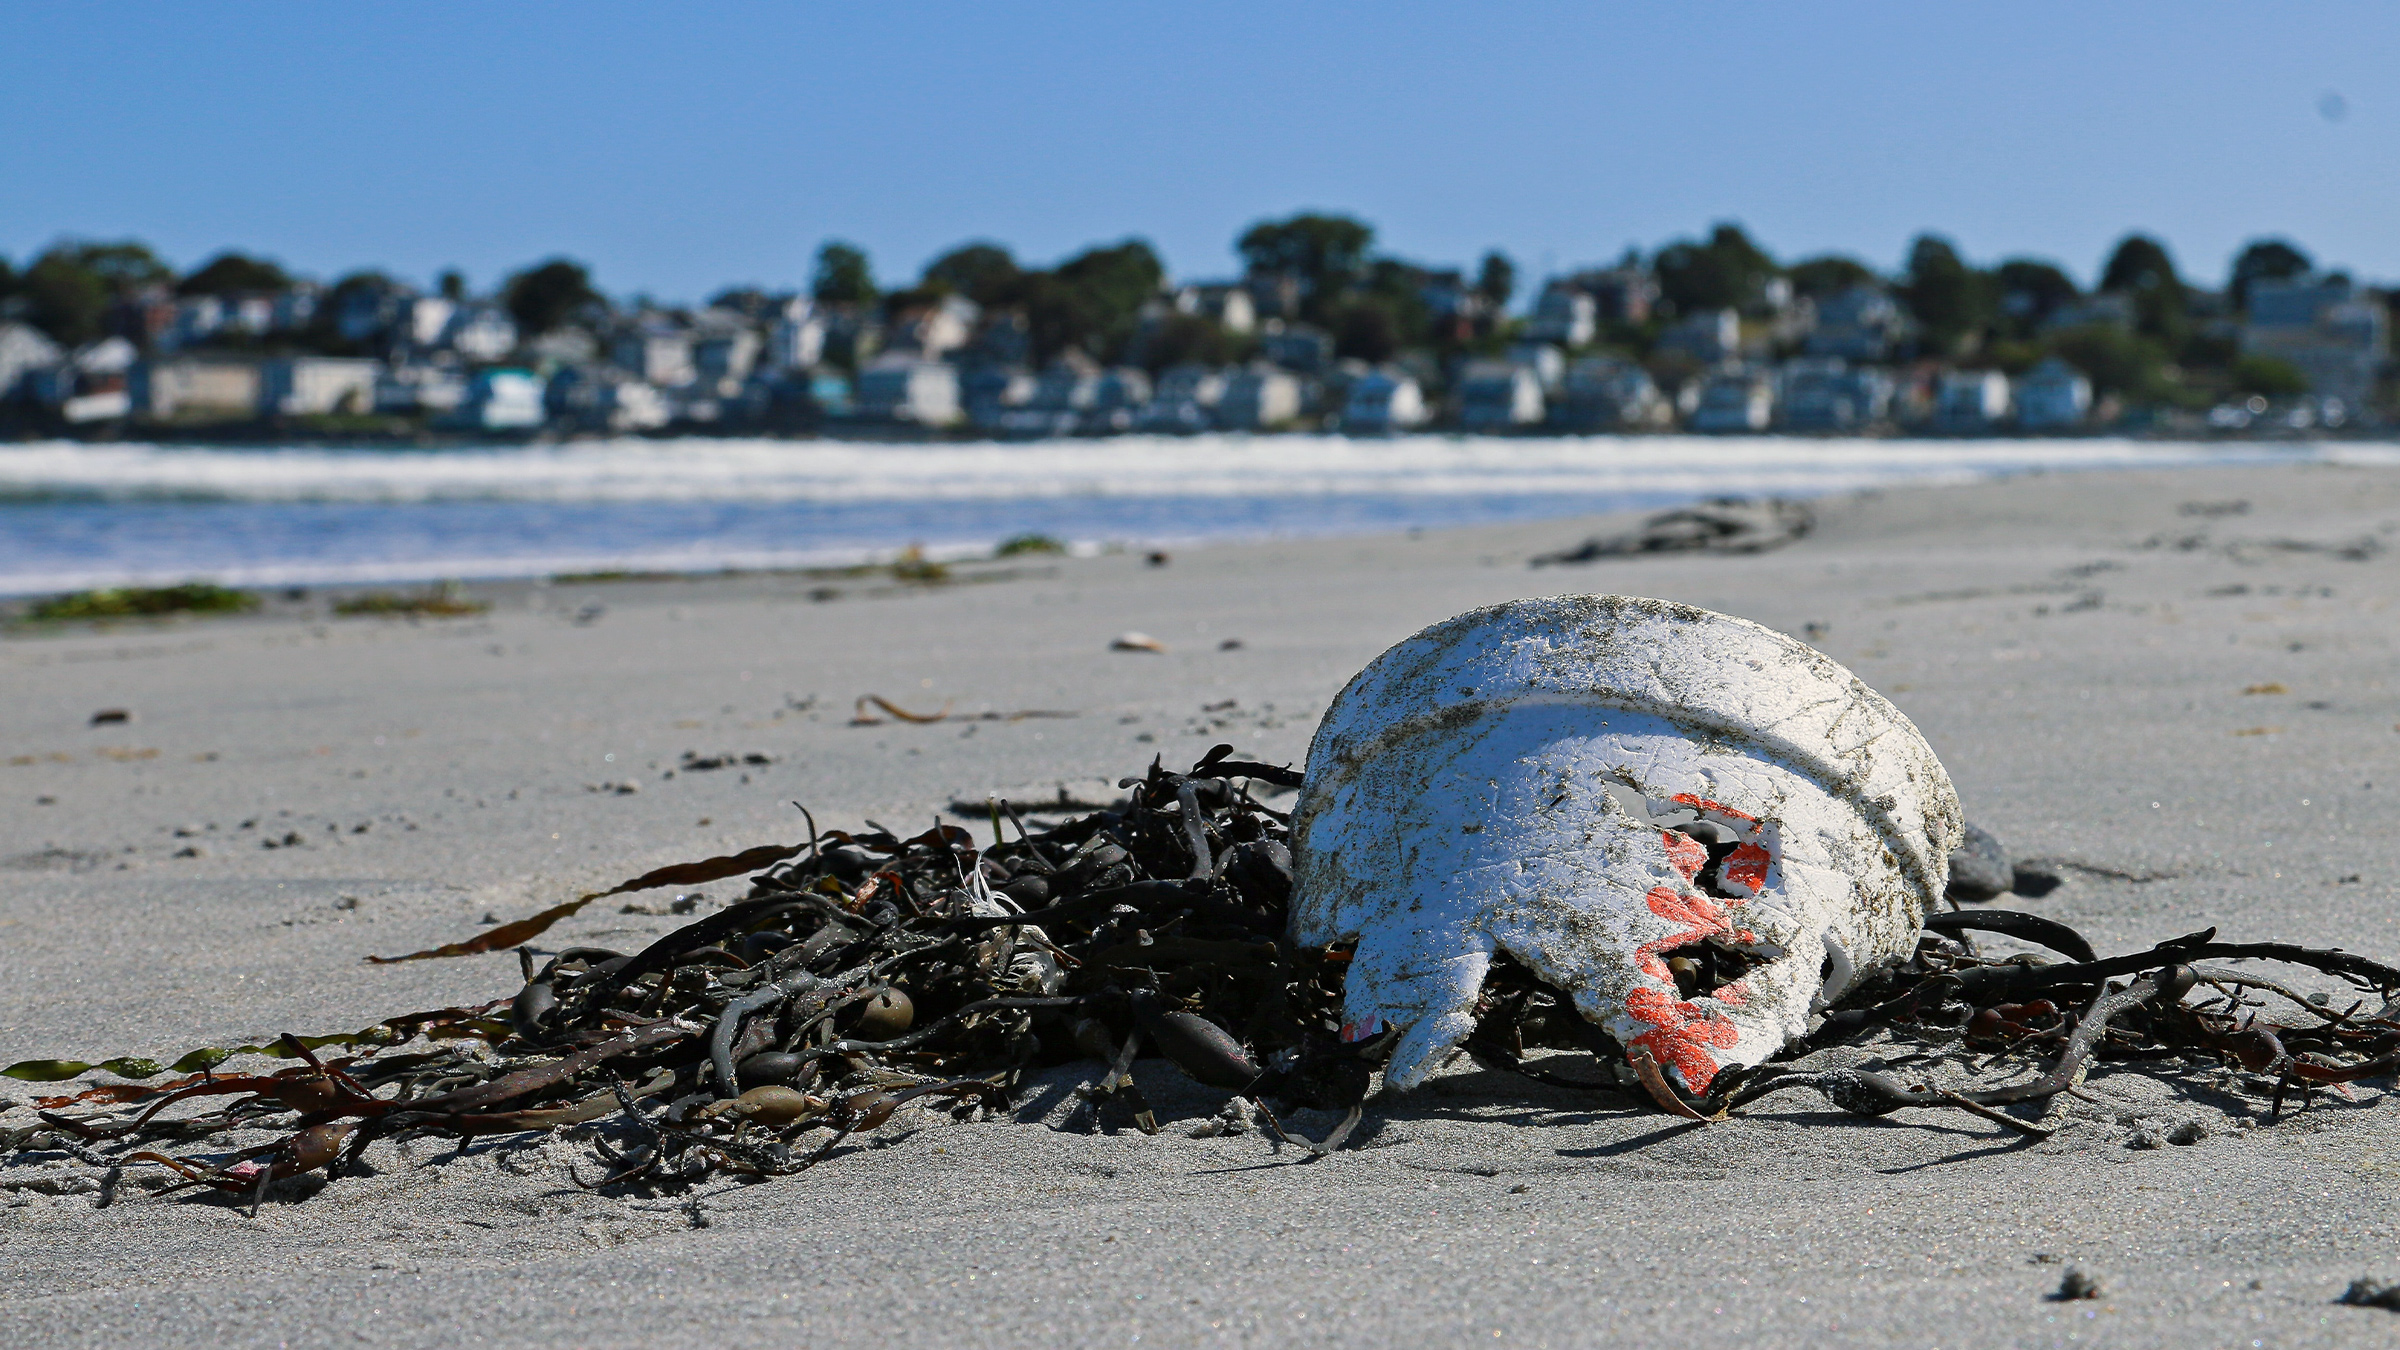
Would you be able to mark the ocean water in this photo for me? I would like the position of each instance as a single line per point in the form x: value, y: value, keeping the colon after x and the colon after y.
x: 75, y: 515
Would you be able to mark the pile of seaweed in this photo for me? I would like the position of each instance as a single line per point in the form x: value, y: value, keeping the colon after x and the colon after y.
x: 865, y: 972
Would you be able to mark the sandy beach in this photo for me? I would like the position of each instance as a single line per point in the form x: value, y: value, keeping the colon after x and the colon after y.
x: 2171, y: 690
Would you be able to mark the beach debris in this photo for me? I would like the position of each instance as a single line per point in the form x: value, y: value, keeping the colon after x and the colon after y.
x: 2369, y: 1293
x: 1980, y: 868
x: 1777, y: 897
x: 111, y: 717
x: 1136, y: 641
x: 446, y: 601
x: 695, y: 762
x: 1598, y: 786
x: 860, y: 717
x: 1024, y: 545
x: 1717, y: 525
x: 2075, y: 1285
x: 1157, y: 558
x: 142, y: 602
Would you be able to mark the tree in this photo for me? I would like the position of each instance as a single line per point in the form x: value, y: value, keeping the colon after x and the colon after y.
x: 1952, y: 302
x: 1726, y: 272
x: 1179, y: 338
x: 1324, y: 251
x: 1365, y: 327
x: 2031, y: 290
x: 2141, y: 268
x: 1496, y: 279
x: 231, y: 272
x: 2271, y: 376
x: 544, y: 297
x: 1091, y: 300
x: 1829, y: 274
x: 2118, y: 362
x: 2265, y: 259
x: 453, y: 284
x: 985, y: 273
x: 843, y: 275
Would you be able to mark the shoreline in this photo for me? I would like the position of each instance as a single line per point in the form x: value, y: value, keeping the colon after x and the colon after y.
x: 2178, y: 705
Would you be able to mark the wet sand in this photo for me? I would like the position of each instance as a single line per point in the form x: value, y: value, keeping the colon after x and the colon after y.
x: 2076, y: 647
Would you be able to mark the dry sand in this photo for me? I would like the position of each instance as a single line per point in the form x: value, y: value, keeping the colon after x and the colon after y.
x: 2076, y: 647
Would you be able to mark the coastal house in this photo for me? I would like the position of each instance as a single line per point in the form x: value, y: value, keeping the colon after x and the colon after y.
x: 2326, y: 328
x: 248, y: 315
x: 655, y: 350
x: 1548, y: 363
x: 1601, y: 393
x: 1706, y: 338
x: 1969, y: 401
x: 2053, y: 396
x: 2109, y: 309
x: 603, y: 398
x: 1298, y: 348
x: 724, y: 350
x: 480, y: 332
x: 23, y: 349
x: 1858, y: 323
x: 1566, y: 314
x: 407, y: 388
x: 1117, y: 396
x: 1382, y: 401
x: 1735, y: 400
x: 902, y: 388
x: 1183, y: 402
x: 934, y: 330
x: 1827, y: 393
x: 796, y: 339
x: 368, y: 309
x: 499, y: 399
x: 1499, y: 396
x: 1259, y: 397
x: 316, y: 385
x: 296, y: 308
x: 194, y: 389
x: 987, y: 390
x: 421, y: 320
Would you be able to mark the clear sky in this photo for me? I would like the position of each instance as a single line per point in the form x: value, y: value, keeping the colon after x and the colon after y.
x: 678, y: 148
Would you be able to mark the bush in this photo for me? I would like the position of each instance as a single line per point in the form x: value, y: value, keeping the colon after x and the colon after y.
x: 441, y: 602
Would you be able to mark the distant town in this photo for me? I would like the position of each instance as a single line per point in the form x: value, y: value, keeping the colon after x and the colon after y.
x: 1319, y: 331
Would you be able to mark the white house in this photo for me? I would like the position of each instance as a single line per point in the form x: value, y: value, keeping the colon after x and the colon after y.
x: 1498, y: 396
x: 481, y: 332
x: 2053, y: 396
x: 1708, y: 337
x: 308, y: 385
x: 1970, y: 400
x: 423, y: 319
x: 1565, y: 314
x: 1383, y: 400
x: 655, y: 351
x: 1259, y: 398
x: 194, y: 388
x: 796, y: 340
x: 935, y: 330
x: 23, y: 348
x: 409, y: 389
x: 900, y: 387
x: 500, y: 399
x: 1226, y: 302
x: 604, y: 399
x: 1548, y: 363
x: 1735, y: 401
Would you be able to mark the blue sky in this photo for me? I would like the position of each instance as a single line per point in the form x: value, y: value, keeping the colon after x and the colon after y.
x: 680, y: 148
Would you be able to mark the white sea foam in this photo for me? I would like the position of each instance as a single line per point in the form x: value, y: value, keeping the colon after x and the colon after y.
x: 700, y: 470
